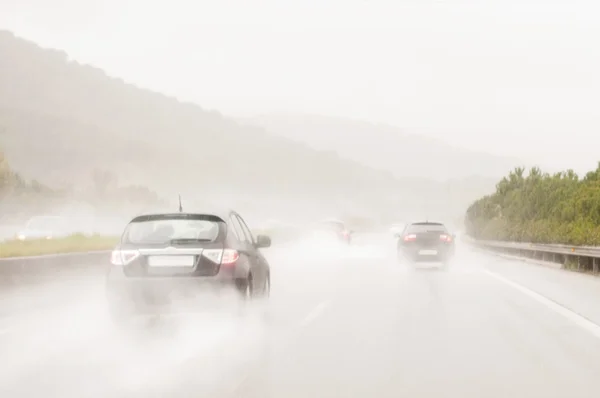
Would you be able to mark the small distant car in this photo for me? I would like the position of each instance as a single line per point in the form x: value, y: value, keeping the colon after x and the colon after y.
x: 426, y: 242
x: 167, y: 257
x: 333, y: 228
x: 43, y: 227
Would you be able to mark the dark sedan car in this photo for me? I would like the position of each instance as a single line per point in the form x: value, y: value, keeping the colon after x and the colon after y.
x: 426, y: 242
x: 335, y: 229
x: 167, y: 257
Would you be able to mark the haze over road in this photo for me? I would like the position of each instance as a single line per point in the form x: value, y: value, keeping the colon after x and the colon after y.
x: 347, y: 323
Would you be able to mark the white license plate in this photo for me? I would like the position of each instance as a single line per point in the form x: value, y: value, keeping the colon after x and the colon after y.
x: 428, y: 252
x: 171, y: 261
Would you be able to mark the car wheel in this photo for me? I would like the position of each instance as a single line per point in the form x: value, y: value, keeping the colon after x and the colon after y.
x: 266, y: 291
x: 245, y: 288
x: 268, y: 286
x: 245, y: 291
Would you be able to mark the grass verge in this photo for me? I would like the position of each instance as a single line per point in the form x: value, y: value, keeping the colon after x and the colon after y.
x: 69, y: 244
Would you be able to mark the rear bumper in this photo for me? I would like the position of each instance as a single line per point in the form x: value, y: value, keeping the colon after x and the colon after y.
x: 425, y: 254
x: 139, y: 293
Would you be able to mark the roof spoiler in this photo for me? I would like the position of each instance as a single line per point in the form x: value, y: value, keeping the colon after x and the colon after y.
x: 178, y: 216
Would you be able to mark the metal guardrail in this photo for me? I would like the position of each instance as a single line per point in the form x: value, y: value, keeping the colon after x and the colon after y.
x: 20, y: 270
x: 35, y: 269
x: 582, y: 258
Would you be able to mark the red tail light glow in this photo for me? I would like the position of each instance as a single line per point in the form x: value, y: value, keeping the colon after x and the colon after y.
x: 230, y: 257
x: 227, y: 257
x: 410, y: 238
x: 445, y: 238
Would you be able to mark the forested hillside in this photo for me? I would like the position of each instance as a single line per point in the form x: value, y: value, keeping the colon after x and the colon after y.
x: 11, y: 183
x: 20, y: 198
x: 541, y: 208
x: 62, y: 122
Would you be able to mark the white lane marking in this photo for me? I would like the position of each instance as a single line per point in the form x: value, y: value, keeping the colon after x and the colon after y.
x: 315, y: 313
x: 574, y: 317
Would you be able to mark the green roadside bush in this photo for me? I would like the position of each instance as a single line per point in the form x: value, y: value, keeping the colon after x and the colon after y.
x: 539, y: 208
x: 70, y: 244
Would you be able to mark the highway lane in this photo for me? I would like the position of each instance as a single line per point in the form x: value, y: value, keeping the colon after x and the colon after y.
x: 574, y: 290
x: 350, y: 323
x: 430, y: 334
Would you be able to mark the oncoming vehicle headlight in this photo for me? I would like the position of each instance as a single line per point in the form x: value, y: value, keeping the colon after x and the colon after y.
x: 123, y: 257
x: 21, y: 237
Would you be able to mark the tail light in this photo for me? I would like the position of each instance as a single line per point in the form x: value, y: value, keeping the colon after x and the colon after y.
x: 410, y: 238
x: 445, y: 238
x: 226, y: 257
x: 230, y: 257
x: 123, y: 257
x: 346, y: 234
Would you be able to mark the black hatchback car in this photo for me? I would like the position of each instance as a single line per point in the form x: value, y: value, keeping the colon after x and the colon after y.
x: 426, y: 242
x: 164, y: 257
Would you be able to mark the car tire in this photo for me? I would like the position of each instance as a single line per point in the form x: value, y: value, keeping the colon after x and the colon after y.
x: 266, y: 291
x: 245, y: 288
x: 245, y: 291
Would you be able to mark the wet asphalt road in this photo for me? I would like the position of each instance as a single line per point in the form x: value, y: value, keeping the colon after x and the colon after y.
x: 340, y: 323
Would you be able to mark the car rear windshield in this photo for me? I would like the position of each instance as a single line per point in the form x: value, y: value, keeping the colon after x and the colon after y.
x: 161, y: 231
x: 426, y: 227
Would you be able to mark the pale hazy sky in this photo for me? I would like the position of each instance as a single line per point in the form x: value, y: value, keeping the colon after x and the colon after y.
x: 516, y: 77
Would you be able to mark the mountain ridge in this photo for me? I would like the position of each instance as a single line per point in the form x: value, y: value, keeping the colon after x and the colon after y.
x: 366, y: 141
x: 61, y: 121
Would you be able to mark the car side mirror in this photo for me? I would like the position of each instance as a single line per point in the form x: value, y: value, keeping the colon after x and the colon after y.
x: 263, y: 241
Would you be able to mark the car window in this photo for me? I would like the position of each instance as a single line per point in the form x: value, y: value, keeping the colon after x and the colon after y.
x: 237, y: 228
x: 247, y: 232
x: 163, y: 231
x: 426, y: 227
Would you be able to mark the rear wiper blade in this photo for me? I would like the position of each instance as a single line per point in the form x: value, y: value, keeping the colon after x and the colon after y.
x: 188, y: 240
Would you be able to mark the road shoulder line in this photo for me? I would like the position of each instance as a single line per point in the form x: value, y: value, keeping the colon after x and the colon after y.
x: 567, y: 313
